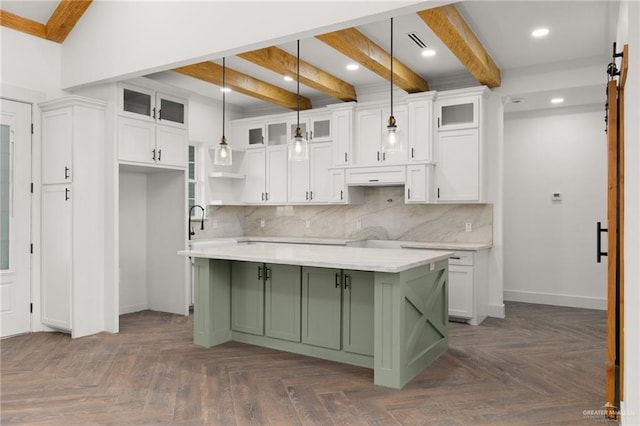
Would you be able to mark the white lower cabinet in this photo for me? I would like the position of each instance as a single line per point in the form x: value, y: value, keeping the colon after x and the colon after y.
x: 468, y: 288
x: 57, y: 259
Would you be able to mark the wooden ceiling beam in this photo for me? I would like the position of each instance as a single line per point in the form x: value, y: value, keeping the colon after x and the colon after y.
x: 64, y: 18
x: 355, y: 45
x: 279, y: 61
x: 245, y: 84
x: 18, y: 23
x: 454, y: 31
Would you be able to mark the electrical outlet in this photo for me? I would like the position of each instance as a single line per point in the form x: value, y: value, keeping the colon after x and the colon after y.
x: 261, y: 223
x: 468, y: 227
x: 358, y: 224
x: 307, y: 223
x: 214, y: 223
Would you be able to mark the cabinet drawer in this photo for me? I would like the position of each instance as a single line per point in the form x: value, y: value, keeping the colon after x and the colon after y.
x: 374, y: 176
x: 461, y: 258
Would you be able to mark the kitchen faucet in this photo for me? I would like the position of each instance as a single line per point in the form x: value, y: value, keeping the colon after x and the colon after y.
x: 189, y: 228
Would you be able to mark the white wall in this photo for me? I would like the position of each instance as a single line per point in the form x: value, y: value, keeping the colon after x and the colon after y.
x: 93, y: 51
x: 550, y: 247
x: 31, y: 63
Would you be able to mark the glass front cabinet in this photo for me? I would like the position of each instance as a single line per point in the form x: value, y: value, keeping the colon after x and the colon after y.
x: 147, y: 104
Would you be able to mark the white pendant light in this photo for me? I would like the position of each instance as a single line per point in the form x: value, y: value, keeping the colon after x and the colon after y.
x: 298, y: 146
x: 223, y: 151
x: 391, y: 137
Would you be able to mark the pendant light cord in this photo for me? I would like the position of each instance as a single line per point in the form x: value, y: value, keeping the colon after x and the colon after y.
x: 224, y: 90
x: 298, y: 85
x: 391, y: 67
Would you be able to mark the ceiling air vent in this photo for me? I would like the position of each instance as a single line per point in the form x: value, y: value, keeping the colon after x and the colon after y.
x: 417, y: 40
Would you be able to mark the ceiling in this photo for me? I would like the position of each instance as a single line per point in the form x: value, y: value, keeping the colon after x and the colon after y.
x: 580, y: 32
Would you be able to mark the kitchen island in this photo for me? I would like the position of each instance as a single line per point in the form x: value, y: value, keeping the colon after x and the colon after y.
x: 384, y: 309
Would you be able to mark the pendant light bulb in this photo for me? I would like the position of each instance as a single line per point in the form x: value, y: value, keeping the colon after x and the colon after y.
x: 298, y: 146
x: 223, y: 153
x: 391, y: 138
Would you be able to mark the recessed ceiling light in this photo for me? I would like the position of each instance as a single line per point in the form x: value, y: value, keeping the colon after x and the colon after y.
x: 428, y: 52
x: 225, y: 89
x: 287, y: 78
x: 540, y: 32
x: 353, y: 67
x: 557, y: 100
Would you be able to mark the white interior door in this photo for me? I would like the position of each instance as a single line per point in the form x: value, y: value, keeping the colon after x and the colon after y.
x: 15, y: 218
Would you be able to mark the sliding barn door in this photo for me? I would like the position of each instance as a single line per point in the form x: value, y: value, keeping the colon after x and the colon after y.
x: 615, y: 226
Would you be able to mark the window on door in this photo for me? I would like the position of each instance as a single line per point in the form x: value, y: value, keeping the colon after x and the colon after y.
x: 195, y: 191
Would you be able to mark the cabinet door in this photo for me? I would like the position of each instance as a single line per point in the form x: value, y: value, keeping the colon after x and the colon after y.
x: 56, y: 256
x: 401, y: 114
x: 461, y: 291
x: 358, y: 312
x: 136, y: 140
x: 320, y: 129
x: 320, y: 184
x: 458, y: 113
x: 171, y: 146
x: 416, y: 188
x: 172, y: 111
x: 282, y: 302
x: 369, y: 131
x: 255, y: 135
x: 247, y: 297
x: 321, y: 307
x: 338, y: 189
x: 342, y: 131
x: 57, y: 143
x: 277, y: 174
x: 420, y: 131
x: 458, y: 167
x: 137, y: 102
x: 277, y: 134
x: 298, y: 180
x: 255, y: 175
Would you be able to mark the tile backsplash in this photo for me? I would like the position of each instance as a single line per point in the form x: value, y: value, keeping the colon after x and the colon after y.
x: 382, y: 215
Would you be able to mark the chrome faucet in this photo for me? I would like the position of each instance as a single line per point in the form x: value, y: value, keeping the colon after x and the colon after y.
x: 190, y: 230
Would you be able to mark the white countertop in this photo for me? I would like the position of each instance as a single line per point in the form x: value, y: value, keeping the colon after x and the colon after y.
x: 323, y: 256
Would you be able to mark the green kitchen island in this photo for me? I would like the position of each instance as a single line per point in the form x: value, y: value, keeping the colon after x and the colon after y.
x: 384, y: 309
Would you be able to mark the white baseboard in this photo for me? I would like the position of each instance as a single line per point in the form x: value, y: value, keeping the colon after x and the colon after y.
x: 555, y: 299
x: 132, y: 308
x: 495, y: 311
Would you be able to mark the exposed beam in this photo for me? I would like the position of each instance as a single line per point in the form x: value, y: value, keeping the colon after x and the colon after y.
x: 282, y: 62
x: 18, y: 23
x: 64, y: 18
x: 242, y: 83
x: 448, y: 24
x: 361, y: 49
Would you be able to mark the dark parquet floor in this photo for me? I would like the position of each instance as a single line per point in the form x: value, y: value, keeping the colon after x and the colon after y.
x: 542, y: 365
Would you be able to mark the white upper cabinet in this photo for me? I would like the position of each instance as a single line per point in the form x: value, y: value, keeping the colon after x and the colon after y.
x: 309, y: 181
x: 266, y: 175
x: 370, y: 125
x: 144, y: 142
x: 418, y: 188
x: 57, y: 150
x: 147, y: 104
x: 342, y: 134
x: 458, y: 166
x: 420, y: 129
